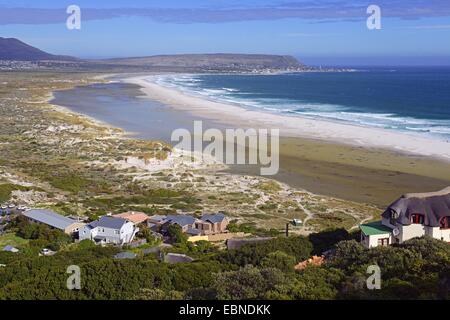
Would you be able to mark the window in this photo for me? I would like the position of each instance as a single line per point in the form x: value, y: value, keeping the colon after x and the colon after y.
x: 417, y: 218
x: 383, y: 242
x: 444, y: 222
x: 393, y: 217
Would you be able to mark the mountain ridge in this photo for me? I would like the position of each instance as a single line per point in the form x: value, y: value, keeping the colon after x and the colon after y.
x: 14, y: 49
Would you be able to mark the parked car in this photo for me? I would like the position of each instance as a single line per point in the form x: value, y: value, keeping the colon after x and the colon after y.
x: 46, y: 252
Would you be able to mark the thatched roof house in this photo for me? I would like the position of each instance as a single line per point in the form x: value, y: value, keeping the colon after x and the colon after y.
x: 432, y: 206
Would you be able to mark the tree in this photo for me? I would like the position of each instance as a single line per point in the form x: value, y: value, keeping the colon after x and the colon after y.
x: 246, y: 283
x: 298, y: 247
x: 147, y: 234
x: 158, y: 294
x: 279, y: 260
x: 205, y: 247
x: 86, y: 244
x: 176, y: 234
x: 349, y: 254
x: 317, y: 283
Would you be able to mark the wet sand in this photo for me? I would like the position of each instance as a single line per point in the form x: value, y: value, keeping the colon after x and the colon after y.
x: 359, y: 174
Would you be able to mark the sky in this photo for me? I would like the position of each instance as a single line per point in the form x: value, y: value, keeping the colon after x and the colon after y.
x: 317, y: 32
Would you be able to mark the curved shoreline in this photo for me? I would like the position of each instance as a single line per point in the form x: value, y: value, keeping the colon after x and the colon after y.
x: 364, y: 175
x: 354, y: 135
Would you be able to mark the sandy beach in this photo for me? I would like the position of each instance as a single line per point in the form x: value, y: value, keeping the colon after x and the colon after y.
x: 350, y: 162
x: 236, y: 116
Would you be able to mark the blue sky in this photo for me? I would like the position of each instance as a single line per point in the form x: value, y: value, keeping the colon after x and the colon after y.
x: 328, y: 32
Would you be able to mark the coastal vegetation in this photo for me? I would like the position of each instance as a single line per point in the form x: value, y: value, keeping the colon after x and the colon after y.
x: 7, y: 188
x: 416, y: 269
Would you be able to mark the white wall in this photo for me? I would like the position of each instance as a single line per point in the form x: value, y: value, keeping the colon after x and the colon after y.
x: 411, y: 231
x: 124, y: 235
x: 127, y: 232
x: 438, y: 233
x: 372, y: 241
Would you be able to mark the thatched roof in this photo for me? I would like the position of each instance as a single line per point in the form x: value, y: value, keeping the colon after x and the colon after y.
x: 433, y: 206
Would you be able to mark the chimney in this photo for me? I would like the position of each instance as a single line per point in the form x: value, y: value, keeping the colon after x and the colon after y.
x: 287, y: 230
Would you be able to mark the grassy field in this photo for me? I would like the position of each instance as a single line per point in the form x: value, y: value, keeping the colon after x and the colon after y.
x: 12, y: 240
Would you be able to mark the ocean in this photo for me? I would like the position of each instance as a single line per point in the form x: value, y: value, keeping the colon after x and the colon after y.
x: 405, y: 99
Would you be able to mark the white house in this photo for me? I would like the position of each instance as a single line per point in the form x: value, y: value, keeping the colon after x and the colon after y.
x: 412, y: 215
x: 109, y: 230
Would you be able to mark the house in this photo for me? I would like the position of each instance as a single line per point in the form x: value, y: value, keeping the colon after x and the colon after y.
x: 412, y: 215
x: 208, y: 224
x: 133, y: 216
x: 53, y: 220
x: 186, y: 222
x: 10, y: 249
x: 109, y: 230
x: 212, y: 223
x: 375, y: 234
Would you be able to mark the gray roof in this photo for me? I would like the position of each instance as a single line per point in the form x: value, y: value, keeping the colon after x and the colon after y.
x: 108, y: 222
x: 213, y: 218
x: 157, y: 217
x: 433, y: 206
x: 125, y: 255
x: 193, y: 232
x: 50, y: 218
x: 181, y: 220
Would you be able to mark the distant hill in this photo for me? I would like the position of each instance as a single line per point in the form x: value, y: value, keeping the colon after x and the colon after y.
x: 14, y: 49
x: 213, y: 61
